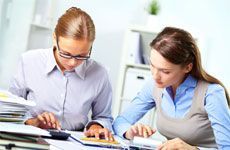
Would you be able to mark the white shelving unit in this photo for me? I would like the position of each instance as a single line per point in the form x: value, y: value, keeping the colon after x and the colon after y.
x: 41, y: 27
x: 135, y: 71
x: 135, y: 57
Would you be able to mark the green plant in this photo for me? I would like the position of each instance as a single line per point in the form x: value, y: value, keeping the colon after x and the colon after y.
x: 153, y: 7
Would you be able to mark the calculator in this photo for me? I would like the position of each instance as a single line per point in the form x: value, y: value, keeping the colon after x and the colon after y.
x: 59, y: 134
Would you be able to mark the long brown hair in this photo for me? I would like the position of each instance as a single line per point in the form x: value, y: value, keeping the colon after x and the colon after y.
x: 179, y: 47
x: 76, y: 24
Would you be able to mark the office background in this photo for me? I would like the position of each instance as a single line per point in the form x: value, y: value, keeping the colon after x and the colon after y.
x: 208, y: 20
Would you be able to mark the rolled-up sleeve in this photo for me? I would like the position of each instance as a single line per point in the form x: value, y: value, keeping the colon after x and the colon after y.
x: 102, y: 106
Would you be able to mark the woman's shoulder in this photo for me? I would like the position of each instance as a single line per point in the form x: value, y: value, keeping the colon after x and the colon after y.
x: 96, y: 67
x: 214, y: 87
x: 36, y: 54
x: 215, y: 95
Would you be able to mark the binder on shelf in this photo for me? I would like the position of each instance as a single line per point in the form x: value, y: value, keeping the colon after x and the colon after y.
x: 134, y: 48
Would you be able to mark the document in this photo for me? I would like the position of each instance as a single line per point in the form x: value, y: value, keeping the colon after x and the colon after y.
x: 22, y: 129
x: 13, y: 108
x: 78, y: 136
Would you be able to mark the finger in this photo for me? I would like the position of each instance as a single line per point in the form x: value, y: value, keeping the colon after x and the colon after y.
x: 47, y: 118
x: 159, y: 147
x: 58, y: 126
x: 165, y: 145
x: 52, y: 119
x: 150, y: 131
x: 140, y: 129
x: 97, y: 135
x: 104, y: 132
x: 87, y: 133
x: 41, y: 119
x: 134, y: 129
x: 145, y: 132
x: 111, y: 138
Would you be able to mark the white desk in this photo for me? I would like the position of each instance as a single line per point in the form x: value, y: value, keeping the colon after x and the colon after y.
x: 71, y: 144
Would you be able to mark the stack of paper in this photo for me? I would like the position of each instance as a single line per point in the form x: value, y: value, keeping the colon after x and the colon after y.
x: 20, y: 136
x: 13, y: 108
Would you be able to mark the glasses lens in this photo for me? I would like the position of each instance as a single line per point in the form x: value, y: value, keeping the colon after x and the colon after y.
x: 65, y: 56
x: 81, y: 57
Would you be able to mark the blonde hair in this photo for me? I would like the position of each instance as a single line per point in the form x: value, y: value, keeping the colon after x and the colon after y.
x: 76, y: 24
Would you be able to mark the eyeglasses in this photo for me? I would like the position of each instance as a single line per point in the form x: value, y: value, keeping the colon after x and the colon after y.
x: 68, y: 56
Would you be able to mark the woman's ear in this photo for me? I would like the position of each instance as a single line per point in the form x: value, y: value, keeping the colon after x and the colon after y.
x: 188, y: 68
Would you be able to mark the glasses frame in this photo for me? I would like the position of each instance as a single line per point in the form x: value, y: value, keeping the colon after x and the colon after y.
x: 68, y: 56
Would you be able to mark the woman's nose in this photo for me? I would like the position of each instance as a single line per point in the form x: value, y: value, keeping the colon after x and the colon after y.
x: 156, y: 74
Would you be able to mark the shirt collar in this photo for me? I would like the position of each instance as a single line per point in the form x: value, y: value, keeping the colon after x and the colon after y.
x: 81, y: 69
x: 52, y: 65
x: 189, y: 82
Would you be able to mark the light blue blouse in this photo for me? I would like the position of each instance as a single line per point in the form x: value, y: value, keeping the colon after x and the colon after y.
x: 69, y: 95
x: 215, y: 105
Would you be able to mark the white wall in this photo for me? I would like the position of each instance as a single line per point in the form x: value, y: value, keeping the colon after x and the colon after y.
x: 14, y: 30
x: 211, y: 20
x: 111, y: 19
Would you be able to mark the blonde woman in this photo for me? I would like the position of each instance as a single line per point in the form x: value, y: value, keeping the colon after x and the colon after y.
x: 64, y: 82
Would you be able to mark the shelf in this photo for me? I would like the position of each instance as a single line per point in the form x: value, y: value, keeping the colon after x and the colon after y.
x: 140, y: 66
x: 146, y: 29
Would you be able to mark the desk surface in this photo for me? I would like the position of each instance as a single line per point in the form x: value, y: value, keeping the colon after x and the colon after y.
x: 71, y: 144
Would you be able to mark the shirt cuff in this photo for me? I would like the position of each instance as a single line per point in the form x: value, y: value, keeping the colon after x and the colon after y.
x: 121, y: 130
x: 99, y: 122
x: 27, y: 116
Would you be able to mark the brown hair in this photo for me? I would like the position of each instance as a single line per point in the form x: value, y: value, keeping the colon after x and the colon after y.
x: 179, y: 47
x: 76, y: 24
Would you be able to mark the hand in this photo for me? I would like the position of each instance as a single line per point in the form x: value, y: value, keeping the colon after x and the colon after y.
x: 177, y: 144
x: 46, y: 120
x: 139, y: 130
x: 98, y: 131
